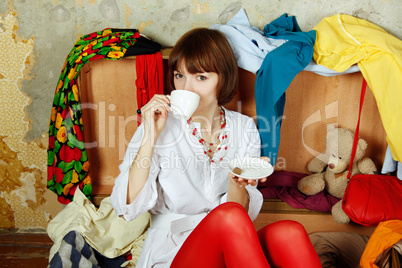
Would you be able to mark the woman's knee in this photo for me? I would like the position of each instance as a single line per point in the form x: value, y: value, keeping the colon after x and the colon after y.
x: 229, y: 209
x: 286, y: 243
x: 282, y: 231
x: 229, y: 214
x: 287, y: 226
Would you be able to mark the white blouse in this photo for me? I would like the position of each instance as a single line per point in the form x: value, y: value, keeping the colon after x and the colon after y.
x: 182, y: 180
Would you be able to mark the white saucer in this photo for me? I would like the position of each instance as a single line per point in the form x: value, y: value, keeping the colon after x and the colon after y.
x: 253, y: 168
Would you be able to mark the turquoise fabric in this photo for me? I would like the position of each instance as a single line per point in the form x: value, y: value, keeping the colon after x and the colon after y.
x: 276, y: 73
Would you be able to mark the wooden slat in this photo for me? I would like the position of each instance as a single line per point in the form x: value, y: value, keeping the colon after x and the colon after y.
x: 24, y: 249
x: 313, y: 223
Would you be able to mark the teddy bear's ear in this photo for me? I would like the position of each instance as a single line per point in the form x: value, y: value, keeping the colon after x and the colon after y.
x: 362, y: 144
x: 330, y: 127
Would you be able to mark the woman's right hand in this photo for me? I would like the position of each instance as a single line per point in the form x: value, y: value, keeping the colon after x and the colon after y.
x: 154, y: 115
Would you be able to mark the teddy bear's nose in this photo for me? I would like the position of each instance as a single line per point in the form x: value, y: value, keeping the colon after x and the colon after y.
x: 331, y: 165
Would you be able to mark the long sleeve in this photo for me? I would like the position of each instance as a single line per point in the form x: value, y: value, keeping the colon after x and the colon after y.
x: 275, y: 75
x: 148, y: 195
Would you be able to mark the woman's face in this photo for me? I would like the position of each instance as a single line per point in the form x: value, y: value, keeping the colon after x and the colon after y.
x: 204, y: 84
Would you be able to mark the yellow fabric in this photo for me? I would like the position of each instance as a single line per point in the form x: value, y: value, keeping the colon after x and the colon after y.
x: 102, y: 229
x: 344, y: 40
x: 385, y: 235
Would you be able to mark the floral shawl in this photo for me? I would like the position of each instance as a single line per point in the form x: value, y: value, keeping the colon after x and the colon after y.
x: 68, y: 164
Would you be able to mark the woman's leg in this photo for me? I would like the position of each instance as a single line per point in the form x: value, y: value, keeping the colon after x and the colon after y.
x: 286, y: 244
x: 225, y: 238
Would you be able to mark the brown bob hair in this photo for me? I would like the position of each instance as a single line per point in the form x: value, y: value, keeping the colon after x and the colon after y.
x: 206, y: 50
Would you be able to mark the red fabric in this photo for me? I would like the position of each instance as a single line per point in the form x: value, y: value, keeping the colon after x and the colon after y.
x: 283, y: 185
x: 227, y: 238
x: 371, y: 199
x: 149, y: 78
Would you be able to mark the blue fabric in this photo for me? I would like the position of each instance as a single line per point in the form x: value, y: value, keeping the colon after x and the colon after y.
x: 76, y: 252
x: 276, y: 73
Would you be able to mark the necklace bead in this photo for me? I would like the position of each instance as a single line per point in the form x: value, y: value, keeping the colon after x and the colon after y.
x: 222, y: 139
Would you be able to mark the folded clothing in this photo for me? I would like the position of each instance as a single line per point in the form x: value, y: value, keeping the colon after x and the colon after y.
x: 283, y: 185
x: 339, y: 249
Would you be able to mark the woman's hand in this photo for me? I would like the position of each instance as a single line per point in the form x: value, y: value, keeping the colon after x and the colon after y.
x: 236, y: 188
x: 242, y: 182
x: 154, y: 116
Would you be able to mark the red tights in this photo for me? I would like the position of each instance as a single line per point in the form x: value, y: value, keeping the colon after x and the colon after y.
x: 227, y: 238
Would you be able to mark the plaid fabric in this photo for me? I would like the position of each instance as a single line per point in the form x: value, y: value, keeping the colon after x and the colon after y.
x: 68, y: 164
x: 75, y: 252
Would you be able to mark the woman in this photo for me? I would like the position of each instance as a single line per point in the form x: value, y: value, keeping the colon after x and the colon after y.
x: 177, y: 169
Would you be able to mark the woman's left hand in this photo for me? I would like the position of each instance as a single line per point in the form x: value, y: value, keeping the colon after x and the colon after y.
x: 242, y: 182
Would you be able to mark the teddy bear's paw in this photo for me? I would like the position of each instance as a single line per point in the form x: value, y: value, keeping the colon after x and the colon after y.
x: 312, y: 184
x: 366, y: 166
x: 338, y: 214
x: 307, y: 189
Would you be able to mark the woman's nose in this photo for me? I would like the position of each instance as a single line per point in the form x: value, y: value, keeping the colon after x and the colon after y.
x: 188, y: 85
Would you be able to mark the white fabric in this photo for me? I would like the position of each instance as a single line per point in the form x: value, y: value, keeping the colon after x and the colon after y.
x: 250, y: 46
x: 102, y: 229
x: 178, y: 222
x: 182, y: 180
x: 391, y: 165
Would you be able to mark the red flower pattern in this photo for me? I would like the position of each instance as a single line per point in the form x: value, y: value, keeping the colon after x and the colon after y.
x: 97, y: 45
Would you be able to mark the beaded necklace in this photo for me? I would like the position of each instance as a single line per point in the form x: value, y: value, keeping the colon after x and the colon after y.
x: 222, y: 139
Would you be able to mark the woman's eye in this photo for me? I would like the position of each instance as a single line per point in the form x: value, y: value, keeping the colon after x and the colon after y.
x: 201, y: 78
x: 178, y: 75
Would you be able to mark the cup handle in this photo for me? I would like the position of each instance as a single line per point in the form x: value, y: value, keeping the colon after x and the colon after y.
x: 168, y: 96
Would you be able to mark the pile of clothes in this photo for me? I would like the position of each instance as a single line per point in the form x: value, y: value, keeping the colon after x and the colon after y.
x: 282, y: 50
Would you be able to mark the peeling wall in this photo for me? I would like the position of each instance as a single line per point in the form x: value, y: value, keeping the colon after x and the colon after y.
x: 23, y: 196
x: 36, y: 36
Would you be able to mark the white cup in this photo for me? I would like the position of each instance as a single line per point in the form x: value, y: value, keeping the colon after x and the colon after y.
x: 183, y: 103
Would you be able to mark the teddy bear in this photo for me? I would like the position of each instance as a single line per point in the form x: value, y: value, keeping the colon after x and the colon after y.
x: 330, y: 168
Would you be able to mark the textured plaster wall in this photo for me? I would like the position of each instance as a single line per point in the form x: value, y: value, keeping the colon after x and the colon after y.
x: 36, y: 36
